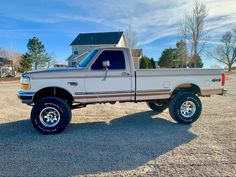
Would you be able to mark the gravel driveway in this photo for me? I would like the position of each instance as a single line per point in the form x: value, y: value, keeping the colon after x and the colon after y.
x: 120, y: 140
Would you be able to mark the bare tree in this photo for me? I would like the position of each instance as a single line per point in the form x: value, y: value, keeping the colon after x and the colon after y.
x: 226, y: 52
x: 16, y: 62
x: 192, y: 29
x: 130, y: 38
x: 3, y: 53
x: 11, y: 55
x: 14, y: 58
x: 8, y: 54
x: 51, y: 62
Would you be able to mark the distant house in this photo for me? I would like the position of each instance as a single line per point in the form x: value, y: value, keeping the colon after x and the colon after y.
x: 137, y: 54
x: 6, y: 67
x: 85, y: 42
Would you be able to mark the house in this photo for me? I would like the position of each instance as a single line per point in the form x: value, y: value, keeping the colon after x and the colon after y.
x: 137, y: 54
x: 6, y: 67
x: 85, y: 42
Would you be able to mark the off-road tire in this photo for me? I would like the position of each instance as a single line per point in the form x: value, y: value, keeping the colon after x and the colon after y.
x: 47, y: 109
x: 179, y: 101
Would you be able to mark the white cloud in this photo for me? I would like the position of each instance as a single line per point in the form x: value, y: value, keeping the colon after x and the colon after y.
x: 72, y: 17
x: 150, y: 19
x: 155, y: 19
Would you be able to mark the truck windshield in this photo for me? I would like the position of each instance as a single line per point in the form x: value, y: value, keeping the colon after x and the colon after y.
x: 88, y: 58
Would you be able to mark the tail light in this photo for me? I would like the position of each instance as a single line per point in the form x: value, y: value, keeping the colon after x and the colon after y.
x: 223, y: 79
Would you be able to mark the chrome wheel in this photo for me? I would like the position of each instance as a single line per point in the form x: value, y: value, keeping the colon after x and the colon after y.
x: 49, y: 117
x: 188, y: 109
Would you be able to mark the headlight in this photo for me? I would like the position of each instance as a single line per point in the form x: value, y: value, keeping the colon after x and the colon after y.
x: 25, y: 82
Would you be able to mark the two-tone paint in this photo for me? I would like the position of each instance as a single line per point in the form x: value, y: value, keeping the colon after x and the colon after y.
x: 91, y: 86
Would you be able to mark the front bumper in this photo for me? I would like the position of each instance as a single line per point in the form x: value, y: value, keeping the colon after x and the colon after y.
x: 26, y: 97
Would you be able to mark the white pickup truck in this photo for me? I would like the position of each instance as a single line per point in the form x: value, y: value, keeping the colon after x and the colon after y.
x: 107, y: 75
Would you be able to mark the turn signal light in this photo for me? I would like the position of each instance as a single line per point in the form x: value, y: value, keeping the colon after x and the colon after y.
x: 25, y: 86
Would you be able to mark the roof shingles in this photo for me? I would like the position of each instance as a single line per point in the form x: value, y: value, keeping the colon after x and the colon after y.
x: 97, y: 38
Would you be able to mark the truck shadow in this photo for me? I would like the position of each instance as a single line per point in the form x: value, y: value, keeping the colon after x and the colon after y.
x: 125, y: 143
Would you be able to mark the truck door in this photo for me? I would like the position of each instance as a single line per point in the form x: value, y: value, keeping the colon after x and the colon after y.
x: 113, y: 84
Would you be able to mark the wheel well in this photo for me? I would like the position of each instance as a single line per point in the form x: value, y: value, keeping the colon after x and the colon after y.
x: 187, y: 88
x: 53, y: 91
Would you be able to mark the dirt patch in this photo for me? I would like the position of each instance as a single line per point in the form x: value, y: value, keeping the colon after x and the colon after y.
x: 5, y: 79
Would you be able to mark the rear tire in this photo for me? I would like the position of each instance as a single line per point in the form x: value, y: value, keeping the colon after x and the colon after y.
x: 185, y: 108
x: 50, y: 115
x: 157, y: 106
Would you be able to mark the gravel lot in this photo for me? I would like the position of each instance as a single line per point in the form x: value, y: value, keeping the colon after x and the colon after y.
x: 120, y: 140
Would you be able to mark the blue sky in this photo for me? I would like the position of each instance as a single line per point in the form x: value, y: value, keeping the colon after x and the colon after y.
x: 58, y: 22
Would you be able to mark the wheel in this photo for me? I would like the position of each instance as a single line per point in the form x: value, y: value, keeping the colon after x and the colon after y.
x: 185, y: 108
x: 157, y: 106
x: 50, y: 115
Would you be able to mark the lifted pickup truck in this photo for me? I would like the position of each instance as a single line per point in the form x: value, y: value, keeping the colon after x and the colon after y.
x: 107, y: 75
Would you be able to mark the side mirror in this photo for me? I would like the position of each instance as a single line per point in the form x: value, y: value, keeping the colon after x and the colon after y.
x: 106, y: 64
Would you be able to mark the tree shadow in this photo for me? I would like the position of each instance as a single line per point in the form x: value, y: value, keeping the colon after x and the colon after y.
x: 125, y: 143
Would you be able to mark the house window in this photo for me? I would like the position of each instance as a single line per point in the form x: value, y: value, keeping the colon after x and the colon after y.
x: 116, y: 59
x: 76, y: 51
x: 73, y: 64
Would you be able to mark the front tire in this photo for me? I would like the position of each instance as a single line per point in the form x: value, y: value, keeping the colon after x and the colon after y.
x: 50, y: 115
x: 185, y: 108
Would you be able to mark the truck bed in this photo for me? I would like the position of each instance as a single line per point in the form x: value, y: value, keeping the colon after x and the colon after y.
x: 160, y: 83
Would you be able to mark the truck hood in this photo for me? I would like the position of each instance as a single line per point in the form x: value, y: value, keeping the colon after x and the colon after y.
x: 55, y: 73
x: 51, y: 70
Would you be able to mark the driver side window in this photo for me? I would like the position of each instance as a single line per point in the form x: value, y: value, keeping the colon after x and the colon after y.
x: 115, y: 57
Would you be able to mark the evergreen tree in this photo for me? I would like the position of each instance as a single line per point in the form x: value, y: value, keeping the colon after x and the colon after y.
x: 153, y: 63
x: 199, y: 63
x: 25, y: 63
x: 169, y: 58
x: 36, y: 57
x: 178, y: 58
x: 145, y: 63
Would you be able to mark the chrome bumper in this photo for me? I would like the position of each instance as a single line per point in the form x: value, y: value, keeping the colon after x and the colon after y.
x: 26, y: 97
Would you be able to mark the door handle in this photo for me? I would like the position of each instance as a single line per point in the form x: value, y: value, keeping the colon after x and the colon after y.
x: 125, y: 74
